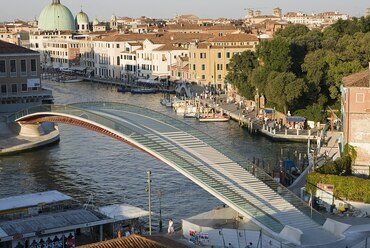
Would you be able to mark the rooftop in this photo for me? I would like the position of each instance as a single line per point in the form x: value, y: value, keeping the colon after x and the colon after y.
x: 47, y: 221
x: 123, y: 212
x: 29, y: 200
x: 136, y: 241
x: 9, y: 48
x: 359, y: 79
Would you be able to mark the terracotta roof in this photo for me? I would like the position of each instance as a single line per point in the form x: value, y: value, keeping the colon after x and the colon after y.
x: 359, y: 79
x: 219, y: 27
x: 136, y: 241
x: 7, y: 48
x: 235, y: 38
x: 169, y: 47
x: 125, y: 37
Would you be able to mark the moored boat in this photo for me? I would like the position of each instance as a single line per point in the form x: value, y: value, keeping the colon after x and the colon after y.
x: 213, y: 118
x: 75, y: 80
x: 143, y: 91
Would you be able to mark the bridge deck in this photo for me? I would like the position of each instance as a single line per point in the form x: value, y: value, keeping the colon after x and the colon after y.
x: 214, y: 167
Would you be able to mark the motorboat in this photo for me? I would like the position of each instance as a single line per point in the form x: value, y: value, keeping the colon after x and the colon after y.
x: 144, y: 91
x: 213, y: 118
x: 74, y: 80
x: 166, y: 102
x: 123, y: 89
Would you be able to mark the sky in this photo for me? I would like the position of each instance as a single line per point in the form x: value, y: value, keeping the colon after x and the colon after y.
x: 103, y: 9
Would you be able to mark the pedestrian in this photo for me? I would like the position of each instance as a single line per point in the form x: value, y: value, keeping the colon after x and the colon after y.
x: 170, y: 227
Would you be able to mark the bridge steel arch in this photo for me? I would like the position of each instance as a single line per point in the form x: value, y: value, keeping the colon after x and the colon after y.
x: 214, y: 167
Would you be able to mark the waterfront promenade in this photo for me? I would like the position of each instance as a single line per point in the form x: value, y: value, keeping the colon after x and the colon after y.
x: 14, y: 138
x: 254, y: 124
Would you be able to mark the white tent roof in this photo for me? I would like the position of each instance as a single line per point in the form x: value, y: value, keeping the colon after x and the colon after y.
x: 29, y: 200
x: 123, y: 212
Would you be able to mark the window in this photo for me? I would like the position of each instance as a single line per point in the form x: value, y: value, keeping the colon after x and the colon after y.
x: 219, y: 55
x: 360, y: 98
x: 33, y: 67
x: 194, y: 67
x: 228, y: 55
x: 219, y: 67
x: 203, y: 77
x: 118, y: 60
x: 2, y: 68
x: 219, y: 76
x: 3, y: 88
x: 203, y: 55
x: 14, y: 88
x: 23, y: 67
x: 24, y: 87
x: 203, y: 67
x: 13, y: 68
x: 117, y: 45
x: 227, y: 66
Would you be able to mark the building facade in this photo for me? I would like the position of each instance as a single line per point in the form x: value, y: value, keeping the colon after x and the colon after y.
x: 355, y: 108
x: 209, y: 61
x: 20, y: 84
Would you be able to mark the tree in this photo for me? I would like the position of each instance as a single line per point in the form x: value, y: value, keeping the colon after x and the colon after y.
x: 284, y: 89
x: 293, y: 31
x: 315, y: 67
x: 275, y: 54
x: 240, y: 71
x: 259, y: 78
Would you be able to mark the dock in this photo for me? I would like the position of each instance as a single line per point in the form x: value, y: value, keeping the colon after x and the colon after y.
x: 255, y: 125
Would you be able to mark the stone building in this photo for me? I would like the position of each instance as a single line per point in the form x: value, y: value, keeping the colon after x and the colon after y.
x: 355, y: 108
x: 20, y: 84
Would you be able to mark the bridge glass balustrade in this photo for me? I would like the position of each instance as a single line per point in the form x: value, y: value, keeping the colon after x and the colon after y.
x: 256, y: 171
x: 82, y: 110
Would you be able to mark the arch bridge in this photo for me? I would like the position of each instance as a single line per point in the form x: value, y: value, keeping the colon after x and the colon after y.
x: 213, y: 166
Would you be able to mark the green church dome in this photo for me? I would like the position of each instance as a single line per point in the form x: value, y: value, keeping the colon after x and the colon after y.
x: 82, y: 18
x: 56, y: 16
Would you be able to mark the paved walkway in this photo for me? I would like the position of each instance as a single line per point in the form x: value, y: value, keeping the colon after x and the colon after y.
x: 10, y: 142
x: 245, y: 119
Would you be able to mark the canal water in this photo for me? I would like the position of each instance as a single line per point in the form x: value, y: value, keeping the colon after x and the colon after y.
x: 92, y: 167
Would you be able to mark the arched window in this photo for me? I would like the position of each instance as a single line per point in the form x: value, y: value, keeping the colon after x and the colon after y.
x: 83, y: 26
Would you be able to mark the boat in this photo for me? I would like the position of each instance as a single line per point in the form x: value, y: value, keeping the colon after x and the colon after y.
x: 166, y: 102
x: 190, y: 115
x: 190, y: 111
x: 143, y: 91
x: 75, y: 80
x: 213, y: 118
x: 123, y: 89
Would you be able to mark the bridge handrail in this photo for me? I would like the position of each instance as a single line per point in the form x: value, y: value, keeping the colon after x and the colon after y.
x: 261, y: 216
x: 262, y: 175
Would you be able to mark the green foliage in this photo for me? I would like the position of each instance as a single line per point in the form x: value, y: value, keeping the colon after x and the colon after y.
x: 345, y: 187
x: 293, y: 31
x: 283, y: 89
x: 350, y: 151
x: 301, y: 69
x: 340, y: 167
x: 240, y: 71
x: 312, y: 112
x: 259, y: 78
x: 275, y: 54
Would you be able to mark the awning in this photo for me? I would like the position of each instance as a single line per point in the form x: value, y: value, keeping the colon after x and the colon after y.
x: 268, y: 111
x: 123, y: 212
x: 295, y: 119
